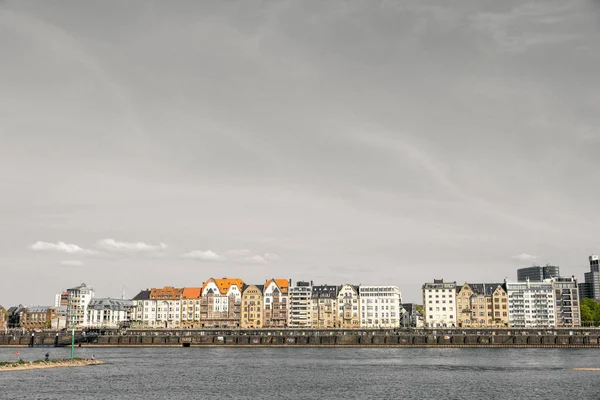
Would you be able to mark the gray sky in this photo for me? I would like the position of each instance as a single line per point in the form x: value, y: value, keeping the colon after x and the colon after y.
x: 149, y: 143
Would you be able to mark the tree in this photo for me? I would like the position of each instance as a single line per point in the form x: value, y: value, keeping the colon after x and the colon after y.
x: 590, y: 311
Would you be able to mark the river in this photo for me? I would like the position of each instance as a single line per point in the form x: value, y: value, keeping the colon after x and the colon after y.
x: 308, y: 373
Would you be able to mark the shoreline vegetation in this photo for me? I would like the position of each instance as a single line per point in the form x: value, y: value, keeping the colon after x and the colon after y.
x: 42, y: 364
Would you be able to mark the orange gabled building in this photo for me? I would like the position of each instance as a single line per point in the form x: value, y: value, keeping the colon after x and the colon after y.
x: 190, y: 307
x: 220, y: 303
x: 275, y: 297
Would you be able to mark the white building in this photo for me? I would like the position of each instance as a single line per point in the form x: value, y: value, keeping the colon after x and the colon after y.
x: 439, y: 304
x: 79, y: 298
x: 531, y: 304
x: 380, y: 307
x: 143, y: 310
x: 299, y: 305
x: 109, y: 313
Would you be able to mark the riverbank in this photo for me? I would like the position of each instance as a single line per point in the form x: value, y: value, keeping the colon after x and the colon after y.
x: 40, y: 364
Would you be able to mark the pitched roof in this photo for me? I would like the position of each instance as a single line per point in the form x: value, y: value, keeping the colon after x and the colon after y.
x: 191, y: 293
x: 142, y: 295
x: 259, y: 287
x: 283, y: 284
x: 167, y: 293
x: 225, y: 283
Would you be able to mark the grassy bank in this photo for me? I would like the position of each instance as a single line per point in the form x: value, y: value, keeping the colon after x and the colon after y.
x: 40, y: 364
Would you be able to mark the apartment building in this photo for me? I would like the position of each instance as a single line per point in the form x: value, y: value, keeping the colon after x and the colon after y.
x: 299, y: 305
x: 275, y: 308
x: 380, y: 307
x: 481, y: 305
x: 348, y: 313
x: 591, y: 287
x: 439, y: 304
x: 531, y: 304
x: 567, y: 311
x: 190, y: 307
x: 220, y: 303
x: 143, y: 310
x: 252, y: 311
x: 79, y: 298
x: 167, y: 303
x: 323, y: 306
x: 3, y: 318
x: 109, y: 313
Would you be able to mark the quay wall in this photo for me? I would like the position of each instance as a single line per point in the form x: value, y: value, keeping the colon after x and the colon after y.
x: 426, y: 339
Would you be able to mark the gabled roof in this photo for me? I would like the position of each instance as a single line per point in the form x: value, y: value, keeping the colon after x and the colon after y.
x: 283, y: 284
x: 259, y: 287
x: 224, y: 284
x: 324, y: 291
x: 191, y: 293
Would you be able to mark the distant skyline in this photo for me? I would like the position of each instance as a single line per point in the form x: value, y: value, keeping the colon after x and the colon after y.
x: 163, y: 143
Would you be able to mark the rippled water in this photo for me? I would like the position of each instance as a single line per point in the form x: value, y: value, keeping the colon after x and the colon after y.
x: 309, y: 373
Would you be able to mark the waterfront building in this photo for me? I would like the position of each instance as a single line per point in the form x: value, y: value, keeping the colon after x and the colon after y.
x: 220, y: 303
x: 109, y: 313
x: 481, y: 305
x: 590, y: 289
x: 252, y: 315
x: 37, y: 317
x: 566, y: 294
x: 410, y: 317
x: 79, y: 298
x: 531, y: 304
x: 275, y: 308
x: 61, y: 299
x: 3, y: 318
x: 323, y: 306
x: 299, y: 305
x: 166, y: 301
x: 538, y: 273
x: 348, y: 313
x: 439, y: 302
x: 380, y: 307
x: 190, y: 307
x: 143, y: 311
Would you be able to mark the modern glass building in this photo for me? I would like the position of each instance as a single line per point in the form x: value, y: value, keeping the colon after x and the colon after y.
x: 538, y: 273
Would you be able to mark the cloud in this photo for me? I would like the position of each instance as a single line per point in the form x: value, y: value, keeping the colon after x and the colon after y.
x: 207, y: 255
x: 242, y: 256
x: 60, y: 247
x: 72, y: 263
x: 524, y: 257
x: 129, y: 247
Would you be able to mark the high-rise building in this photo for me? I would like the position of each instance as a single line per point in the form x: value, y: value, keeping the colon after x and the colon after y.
x: 79, y: 298
x: 300, y: 301
x: 567, y: 309
x: 531, y: 304
x: 591, y: 287
x: 537, y: 273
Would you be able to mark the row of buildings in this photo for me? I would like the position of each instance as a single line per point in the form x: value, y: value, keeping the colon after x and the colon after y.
x: 539, y: 298
x: 229, y: 303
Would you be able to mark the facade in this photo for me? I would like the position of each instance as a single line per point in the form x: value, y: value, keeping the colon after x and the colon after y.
x: 299, y: 305
x: 323, y: 306
x: 220, y: 303
x: 380, y: 307
x: 252, y: 312
x: 166, y: 302
x: 109, y: 313
x: 566, y: 294
x: 79, y: 298
x: 348, y: 313
x: 590, y: 289
x: 538, y: 273
x: 275, y: 308
x: 141, y: 308
x: 37, y: 317
x: 531, y: 304
x: 481, y: 305
x: 439, y: 304
x: 61, y: 299
x: 3, y: 318
x: 190, y: 307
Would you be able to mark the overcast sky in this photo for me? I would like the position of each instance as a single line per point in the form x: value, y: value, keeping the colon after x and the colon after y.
x: 151, y: 143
